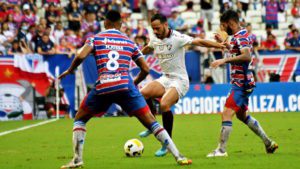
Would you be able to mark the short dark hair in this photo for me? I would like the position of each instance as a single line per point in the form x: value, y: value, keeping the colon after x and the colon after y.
x: 113, y: 16
x: 162, y: 18
x: 295, y: 30
x: 268, y: 26
x: 229, y: 15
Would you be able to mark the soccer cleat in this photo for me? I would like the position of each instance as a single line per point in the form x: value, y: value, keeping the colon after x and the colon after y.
x: 162, y: 151
x: 145, y: 133
x: 272, y: 148
x: 217, y: 153
x: 183, y: 161
x: 73, y: 164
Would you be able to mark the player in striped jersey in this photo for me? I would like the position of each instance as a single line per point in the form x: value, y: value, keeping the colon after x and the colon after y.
x: 113, y: 52
x: 169, y: 47
x: 242, y: 81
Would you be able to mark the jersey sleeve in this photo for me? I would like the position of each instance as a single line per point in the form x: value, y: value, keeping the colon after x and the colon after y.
x: 183, y: 40
x: 90, y: 41
x: 244, y: 42
x: 136, y: 53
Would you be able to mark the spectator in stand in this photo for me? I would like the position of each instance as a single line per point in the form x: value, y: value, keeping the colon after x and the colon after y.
x: 4, y: 12
x: 51, y: 14
x: 141, y: 41
x: 18, y: 47
x: 294, y: 42
x: 243, y: 5
x: 3, y: 43
x: 17, y: 16
x: 22, y: 31
x: 91, y: 7
x: 197, y: 29
x: 189, y: 6
x: 140, y: 30
x: 270, y: 44
x: 289, y: 34
x: 272, y: 9
x: 64, y: 48
x: 70, y: 37
x: 43, y: 22
x: 11, y: 24
x: 45, y: 46
x: 49, y: 32
x: 30, y: 33
x: 268, y: 31
x: 90, y: 23
x: 150, y: 8
x: 12, y: 3
x: 296, y: 13
x: 32, y: 5
x: 176, y: 22
x: 28, y: 16
x: 9, y: 34
x: 241, y: 19
x: 207, y: 11
x: 165, y: 6
x: 58, y: 32
x: 253, y: 36
x: 37, y: 38
x: 74, y: 16
x: 227, y: 4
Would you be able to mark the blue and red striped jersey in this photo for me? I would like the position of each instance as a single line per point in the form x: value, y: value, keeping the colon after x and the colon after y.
x: 113, y: 52
x: 240, y: 73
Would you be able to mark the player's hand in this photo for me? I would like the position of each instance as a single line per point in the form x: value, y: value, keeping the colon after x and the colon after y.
x: 65, y: 73
x: 217, y: 63
x: 218, y: 38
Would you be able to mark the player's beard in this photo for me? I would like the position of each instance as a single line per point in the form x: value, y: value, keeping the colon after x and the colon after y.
x: 229, y: 31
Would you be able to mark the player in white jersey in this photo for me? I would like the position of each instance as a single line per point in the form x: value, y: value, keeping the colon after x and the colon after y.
x: 168, y: 46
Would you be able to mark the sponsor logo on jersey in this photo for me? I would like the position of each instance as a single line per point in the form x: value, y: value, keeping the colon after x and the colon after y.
x: 164, y: 56
x: 110, y: 78
x: 107, y: 40
x: 169, y: 47
x: 113, y: 47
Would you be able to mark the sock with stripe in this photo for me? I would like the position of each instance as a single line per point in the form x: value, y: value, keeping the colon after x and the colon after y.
x: 161, y: 134
x: 167, y: 118
x: 225, y: 132
x: 254, y: 125
x: 79, y: 132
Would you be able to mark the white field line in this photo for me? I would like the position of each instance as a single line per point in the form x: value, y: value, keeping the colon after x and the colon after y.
x: 27, y: 127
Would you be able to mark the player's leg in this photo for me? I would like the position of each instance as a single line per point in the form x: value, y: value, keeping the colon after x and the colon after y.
x: 86, y: 111
x: 255, y: 126
x: 152, y: 90
x: 231, y: 107
x: 138, y: 107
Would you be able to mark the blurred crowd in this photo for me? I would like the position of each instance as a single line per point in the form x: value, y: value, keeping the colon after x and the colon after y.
x: 60, y: 26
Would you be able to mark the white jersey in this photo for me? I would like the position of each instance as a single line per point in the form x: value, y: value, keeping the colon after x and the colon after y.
x: 171, y: 54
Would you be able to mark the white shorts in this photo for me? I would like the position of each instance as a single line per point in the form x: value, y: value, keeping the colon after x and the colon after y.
x: 181, y: 85
x: 207, y: 14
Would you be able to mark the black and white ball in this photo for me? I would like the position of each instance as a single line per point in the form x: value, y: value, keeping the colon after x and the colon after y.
x: 133, y: 148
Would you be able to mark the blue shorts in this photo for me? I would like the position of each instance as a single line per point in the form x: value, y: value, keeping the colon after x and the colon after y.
x: 238, y: 98
x: 132, y: 102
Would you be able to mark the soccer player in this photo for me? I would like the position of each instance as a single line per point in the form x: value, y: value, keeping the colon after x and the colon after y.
x: 242, y: 80
x: 113, y: 52
x: 168, y: 46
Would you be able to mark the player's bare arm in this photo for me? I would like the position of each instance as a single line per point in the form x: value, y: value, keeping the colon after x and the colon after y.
x: 245, y: 56
x: 147, y: 50
x: 207, y: 43
x: 144, y: 70
x: 81, y: 54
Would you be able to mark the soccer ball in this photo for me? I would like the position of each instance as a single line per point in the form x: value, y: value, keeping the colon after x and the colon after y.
x: 133, y: 148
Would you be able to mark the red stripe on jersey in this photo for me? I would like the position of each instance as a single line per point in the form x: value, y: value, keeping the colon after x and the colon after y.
x: 113, y: 35
x: 244, y: 43
x: 105, y: 60
x: 235, y: 67
x: 123, y: 45
x: 113, y: 91
x: 98, y: 42
x: 238, y: 76
x: 112, y: 84
x: 106, y: 70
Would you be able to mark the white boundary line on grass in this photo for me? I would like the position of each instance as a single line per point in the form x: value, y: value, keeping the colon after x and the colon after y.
x: 27, y: 127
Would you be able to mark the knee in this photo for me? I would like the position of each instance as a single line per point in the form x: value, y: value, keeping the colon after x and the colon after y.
x: 227, y: 114
x: 145, y: 94
x: 164, y: 107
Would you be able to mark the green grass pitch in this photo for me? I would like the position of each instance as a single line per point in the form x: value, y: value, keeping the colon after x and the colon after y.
x: 49, y: 146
